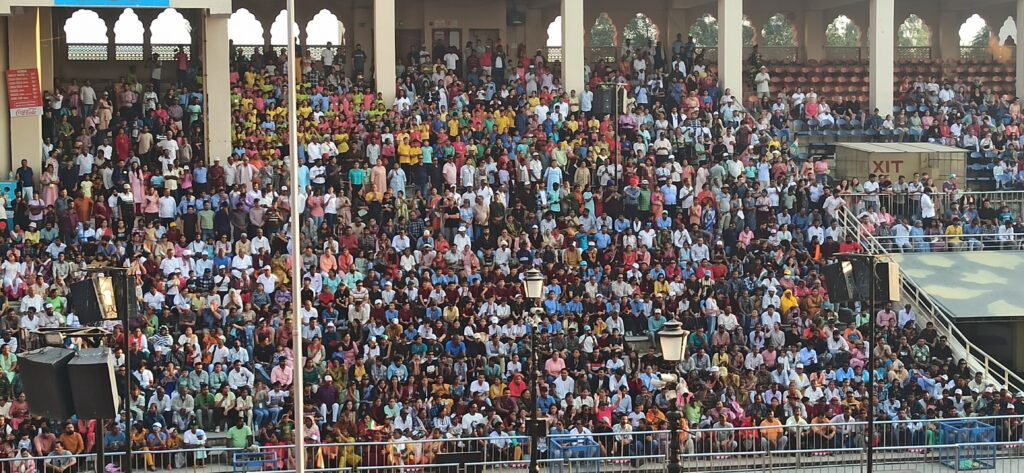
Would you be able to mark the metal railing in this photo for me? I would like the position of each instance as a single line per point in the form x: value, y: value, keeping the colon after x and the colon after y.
x: 928, y: 310
x: 907, y: 206
x: 810, y: 445
x: 949, y: 243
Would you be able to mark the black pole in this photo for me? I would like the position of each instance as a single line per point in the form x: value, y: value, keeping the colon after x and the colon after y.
x: 126, y: 348
x: 871, y: 363
x: 533, y: 423
x: 673, y: 451
x: 101, y: 450
x: 616, y: 151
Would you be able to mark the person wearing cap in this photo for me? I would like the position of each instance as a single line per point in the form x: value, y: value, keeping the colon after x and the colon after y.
x: 156, y: 441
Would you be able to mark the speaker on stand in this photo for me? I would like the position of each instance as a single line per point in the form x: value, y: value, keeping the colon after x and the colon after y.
x: 93, y: 386
x: 44, y: 376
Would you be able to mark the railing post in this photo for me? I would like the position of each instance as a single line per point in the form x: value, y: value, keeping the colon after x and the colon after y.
x: 799, y: 447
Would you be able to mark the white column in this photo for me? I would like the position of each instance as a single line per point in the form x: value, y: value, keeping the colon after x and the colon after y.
x: 882, y: 49
x: 217, y: 81
x: 26, y: 132
x: 730, y: 46
x: 1020, y: 48
x: 384, y: 48
x: 6, y: 161
x: 572, y: 45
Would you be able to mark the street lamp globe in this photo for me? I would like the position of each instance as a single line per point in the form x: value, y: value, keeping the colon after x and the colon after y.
x: 672, y: 339
x: 533, y: 284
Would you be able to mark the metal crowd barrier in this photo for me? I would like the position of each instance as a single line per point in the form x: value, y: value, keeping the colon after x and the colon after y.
x: 815, y: 446
x: 945, y: 243
x: 908, y: 206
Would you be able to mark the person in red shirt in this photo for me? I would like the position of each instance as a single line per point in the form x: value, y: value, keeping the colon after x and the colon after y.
x: 182, y: 60
x: 850, y: 246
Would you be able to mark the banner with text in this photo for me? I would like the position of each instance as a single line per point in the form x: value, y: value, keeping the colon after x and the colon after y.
x: 23, y: 95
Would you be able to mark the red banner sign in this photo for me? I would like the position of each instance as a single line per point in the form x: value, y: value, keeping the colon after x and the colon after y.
x: 23, y: 95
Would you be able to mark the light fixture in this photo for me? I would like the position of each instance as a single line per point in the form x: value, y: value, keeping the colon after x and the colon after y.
x: 672, y: 339
x: 105, y: 296
x: 533, y: 284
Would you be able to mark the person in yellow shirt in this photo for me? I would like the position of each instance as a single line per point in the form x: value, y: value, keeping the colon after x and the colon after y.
x: 416, y: 153
x: 453, y: 127
x: 954, y: 231
x: 404, y: 152
x: 342, y: 140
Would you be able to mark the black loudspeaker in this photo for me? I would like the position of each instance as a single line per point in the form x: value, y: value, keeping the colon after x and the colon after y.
x: 93, y: 386
x: 44, y: 374
x: 839, y: 281
x: 856, y: 276
x: 604, y: 100
x: 887, y: 282
x: 127, y: 298
x: 862, y: 280
x: 83, y: 301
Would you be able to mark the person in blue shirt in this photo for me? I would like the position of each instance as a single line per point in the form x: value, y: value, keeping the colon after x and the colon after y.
x: 545, y: 400
x: 622, y: 224
x: 552, y: 305
x: 391, y: 313
x: 455, y: 347
x: 433, y: 312
x: 398, y: 369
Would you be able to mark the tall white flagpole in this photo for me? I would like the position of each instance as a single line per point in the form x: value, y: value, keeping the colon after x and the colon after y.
x: 295, y: 229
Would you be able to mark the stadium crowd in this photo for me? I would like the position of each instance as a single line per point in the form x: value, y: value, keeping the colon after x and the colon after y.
x: 419, y: 218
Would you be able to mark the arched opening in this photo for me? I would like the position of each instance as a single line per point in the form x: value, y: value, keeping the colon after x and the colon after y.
x: 171, y: 31
x: 1008, y: 32
x: 913, y: 39
x: 554, y: 42
x: 86, y: 36
x: 604, y: 36
x: 128, y: 37
x: 705, y: 31
x: 842, y: 33
x: 245, y: 31
x: 778, y: 32
x: 324, y: 29
x: 974, y: 32
x: 640, y: 31
x: 914, y: 33
x: 279, y: 30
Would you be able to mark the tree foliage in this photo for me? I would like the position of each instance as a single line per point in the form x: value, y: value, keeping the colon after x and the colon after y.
x: 748, y: 33
x: 640, y: 30
x: 980, y: 39
x: 842, y: 33
x: 778, y: 32
x: 705, y: 32
x: 914, y: 33
x: 603, y: 34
